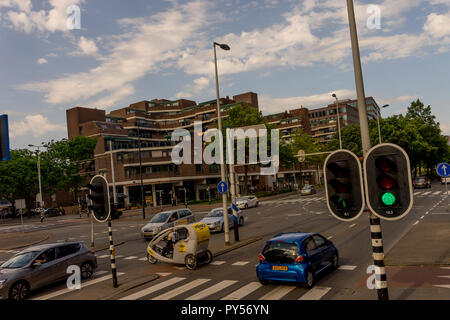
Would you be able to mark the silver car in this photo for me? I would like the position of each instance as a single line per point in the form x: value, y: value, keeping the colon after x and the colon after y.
x: 166, y: 219
x: 38, y: 266
x: 214, y: 219
x: 247, y: 202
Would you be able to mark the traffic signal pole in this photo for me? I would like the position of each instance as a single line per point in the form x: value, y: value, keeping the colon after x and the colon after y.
x: 112, y: 255
x: 375, y: 225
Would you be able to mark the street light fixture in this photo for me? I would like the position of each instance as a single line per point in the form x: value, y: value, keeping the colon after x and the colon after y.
x: 378, y: 120
x: 338, y: 120
x: 219, y: 127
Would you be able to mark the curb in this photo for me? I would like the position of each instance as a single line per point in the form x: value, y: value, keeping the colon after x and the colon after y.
x: 28, y: 245
x: 235, y: 246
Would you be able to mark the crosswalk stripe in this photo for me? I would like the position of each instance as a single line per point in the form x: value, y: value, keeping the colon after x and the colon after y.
x: 243, y: 292
x: 103, y: 256
x: 427, y: 193
x: 164, y: 274
x: 347, y: 267
x: 209, y: 291
x: 436, y: 193
x: 143, y: 259
x: 315, y: 293
x: 130, y: 257
x: 241, y: 263
x: 175, y: 292
x: 153, y: 288
x: 83, y: 285
x: 277, y: 293
x: 217, y: 263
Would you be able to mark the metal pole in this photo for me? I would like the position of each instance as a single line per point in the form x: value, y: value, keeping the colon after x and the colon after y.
x: 21, y: 220
x: 112, y: 255
x: 113, y: 174
x: 232, y: 185
x: 92, y: 232
x: 185, y: 198
x: 209, y: 195
x: 222, y: 164
x: 40, y: 186
x: 140, y: 174
x: 375, y: 226
x: 338, y: 123
x: 446, y: 189
x: 379, y: 130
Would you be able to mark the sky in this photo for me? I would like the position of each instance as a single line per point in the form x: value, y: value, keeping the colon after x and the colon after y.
x: 112, y: 53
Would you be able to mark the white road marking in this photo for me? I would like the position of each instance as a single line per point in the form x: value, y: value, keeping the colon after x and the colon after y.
x: 277, y: 293
x: 315, y: 293
x: 416, y: 222
x: 100, y: 272
x: 352, y: 225
x: 179, y: 290
x: 164, y: 274
x: 211, y: 290
x: 446, y: 277
x: 437, y: 192
x: 422, y: 217
x: 217, y: 263
x: 347, y: 267
x: 153, y: 288
x: 103, y: 256
x: 83, y: 285
x: 447, y: 286
x: 427, y: 193
x: 118, y: 256
x: 143, y: 259
x: 241, y: 263
x: 330, y: 237
x: 130, y: 257
x: 448, y: 268
x: 441, y: 213
x: 243, y: 292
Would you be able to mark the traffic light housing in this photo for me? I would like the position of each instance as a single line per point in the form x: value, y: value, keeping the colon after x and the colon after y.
x: 4, y: 138
x: 99, y: 195
x: 344, y: 185
x: 388, y: 181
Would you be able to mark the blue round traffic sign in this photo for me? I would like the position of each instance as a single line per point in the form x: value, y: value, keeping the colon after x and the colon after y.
x: 222, y: 187
x: 443, y: 169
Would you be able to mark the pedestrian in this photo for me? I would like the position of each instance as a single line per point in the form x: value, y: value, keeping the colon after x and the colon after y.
x: 174, y: 201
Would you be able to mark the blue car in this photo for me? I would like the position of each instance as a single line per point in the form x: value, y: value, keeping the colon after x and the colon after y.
x: 296, y: 257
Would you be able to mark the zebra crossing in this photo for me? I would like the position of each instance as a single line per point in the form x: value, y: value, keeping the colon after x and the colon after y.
x: 296, y: 200
x: 182, y: 288
x: 427, y: 193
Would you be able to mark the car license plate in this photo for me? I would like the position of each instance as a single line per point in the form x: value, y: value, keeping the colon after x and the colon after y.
x: 279, y: 268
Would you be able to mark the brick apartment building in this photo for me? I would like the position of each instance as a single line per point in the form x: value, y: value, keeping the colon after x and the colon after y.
x: 152, y: 122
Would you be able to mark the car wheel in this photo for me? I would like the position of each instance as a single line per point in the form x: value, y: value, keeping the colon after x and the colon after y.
x: 256, y: 205
x: 209, y: 258
x: 87, y: 270
x: 221, y: 228
x: 309, y: 280
x: 241, y: 221
x: 19, y: 291
x: 151, y: 259
x: 246, y: 206
x: 263, y: 281
x: 335, y: 261
x: 190, y: 261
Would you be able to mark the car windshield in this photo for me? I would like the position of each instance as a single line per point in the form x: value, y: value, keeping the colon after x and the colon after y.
x: 306, y: 187
x: 215, y: 213
x: 20, y: 260
x: 280, y: 252
x: 160, y: 217
x: 242, y: 199
x: 420, y: 179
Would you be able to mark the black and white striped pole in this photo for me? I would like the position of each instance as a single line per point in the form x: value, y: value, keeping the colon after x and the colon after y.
x: 376, y: 236
x: 112, y: 255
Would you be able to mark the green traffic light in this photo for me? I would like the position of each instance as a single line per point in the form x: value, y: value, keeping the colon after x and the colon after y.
x: 388, y: 198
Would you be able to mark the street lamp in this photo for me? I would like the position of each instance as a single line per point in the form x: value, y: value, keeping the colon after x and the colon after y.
x: 39, y: 175
x: 338, y: 120
x: 378, y: 120
x: 219, y: 127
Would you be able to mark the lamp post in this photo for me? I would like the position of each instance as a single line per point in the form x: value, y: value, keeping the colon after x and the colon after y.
x: 378, y: 120
x: 338, y: 120
x: 219, y: 128
x: 140, y: 172
x: 38, y: 152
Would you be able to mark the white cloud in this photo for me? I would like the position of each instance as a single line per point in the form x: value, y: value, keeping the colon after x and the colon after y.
x: 87, y: 47
x: 41, y: 61
x: 27, y: 20
x: 37, y: 125
x: 270, y: 105
x: 133, y: 55
x: 438, y: 25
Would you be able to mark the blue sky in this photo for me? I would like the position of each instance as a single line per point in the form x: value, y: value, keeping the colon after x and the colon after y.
x: 291, y: 53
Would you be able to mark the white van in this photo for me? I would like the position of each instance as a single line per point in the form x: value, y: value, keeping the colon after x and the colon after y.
x: 166, y: 219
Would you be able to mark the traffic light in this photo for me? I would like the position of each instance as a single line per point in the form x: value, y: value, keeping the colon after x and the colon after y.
x: 343, y: 185
x: 4, y: 138
x: 388, y: 181
x: 99, y: 196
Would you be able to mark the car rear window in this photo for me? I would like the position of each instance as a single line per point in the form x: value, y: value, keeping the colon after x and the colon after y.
x: 280, y: 252
x: 420, y: 179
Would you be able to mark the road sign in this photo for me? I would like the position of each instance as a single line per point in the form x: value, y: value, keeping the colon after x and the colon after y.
x: 222, y: 187
x: 388, y: 181
x: 443, y: 169
x: 301, y: 155
x: 4, y: 138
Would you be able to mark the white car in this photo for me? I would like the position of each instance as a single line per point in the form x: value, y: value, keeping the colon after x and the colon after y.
x: 247, y: 202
